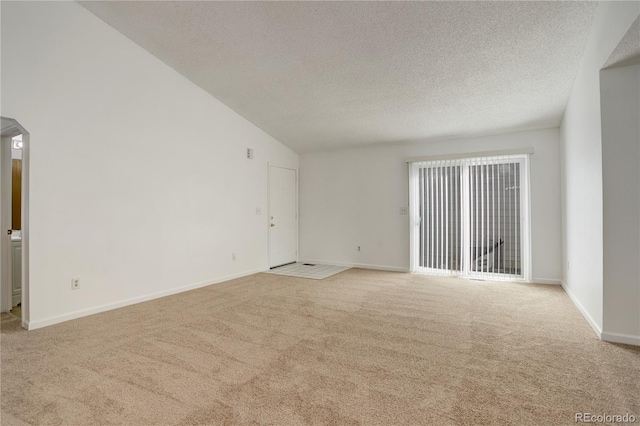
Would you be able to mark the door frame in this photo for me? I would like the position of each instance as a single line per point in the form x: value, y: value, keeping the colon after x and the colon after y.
x: 268, y: 221
x: 11, y: 128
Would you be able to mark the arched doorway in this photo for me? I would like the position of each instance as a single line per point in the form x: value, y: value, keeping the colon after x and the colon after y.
x: 14, y: 264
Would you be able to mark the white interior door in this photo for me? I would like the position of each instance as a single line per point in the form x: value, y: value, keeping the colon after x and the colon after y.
x: 283, y: 216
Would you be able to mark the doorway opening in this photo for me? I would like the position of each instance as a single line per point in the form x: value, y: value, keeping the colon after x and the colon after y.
x: 470, y: 217
x: 14, y: 289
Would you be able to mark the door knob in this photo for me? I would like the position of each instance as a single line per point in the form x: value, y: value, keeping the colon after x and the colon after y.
x: 273, y: 224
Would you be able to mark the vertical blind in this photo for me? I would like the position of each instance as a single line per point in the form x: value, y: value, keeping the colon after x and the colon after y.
x: 470, y: 216
x: 440, y: 187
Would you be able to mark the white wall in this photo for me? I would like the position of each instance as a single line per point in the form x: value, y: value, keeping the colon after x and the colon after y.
x: 139, y: 182
x: 620, y: 104
x: 351, y: 198
x: 581, y: 155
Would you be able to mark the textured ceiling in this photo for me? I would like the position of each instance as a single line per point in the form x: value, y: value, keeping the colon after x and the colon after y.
x: 319, y: 75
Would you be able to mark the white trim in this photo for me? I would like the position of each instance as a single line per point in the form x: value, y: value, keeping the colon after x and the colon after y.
x: 503, y: 152
x: 26, y: 228
x: 627, y: 339
x: 357, y: 265
x: 526, y: 243
x: 549, y: 281
x: 127, y: 302
x: 582, y: 310
x: 413, y: 217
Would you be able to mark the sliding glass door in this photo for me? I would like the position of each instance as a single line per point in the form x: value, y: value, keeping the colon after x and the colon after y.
x: 470, y: 217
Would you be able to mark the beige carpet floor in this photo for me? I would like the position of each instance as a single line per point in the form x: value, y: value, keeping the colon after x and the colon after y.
x: 361, y: 347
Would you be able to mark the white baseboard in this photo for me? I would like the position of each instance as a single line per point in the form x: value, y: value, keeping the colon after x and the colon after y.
x: 551, y: 281
x: 628, y: 339
x: 32, y: 325
x: 356, y: 265
x: 582, y: 310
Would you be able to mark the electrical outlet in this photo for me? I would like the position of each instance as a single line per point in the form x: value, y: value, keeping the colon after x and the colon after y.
x: 358, y: 248
x: 249, y: 153
x: 258, y: 211
x: 233, y: 256
x: 75, y: 283
x: 403, y: 210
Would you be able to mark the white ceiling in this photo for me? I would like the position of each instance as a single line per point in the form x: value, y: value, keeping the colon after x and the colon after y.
x: 319, y: 75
